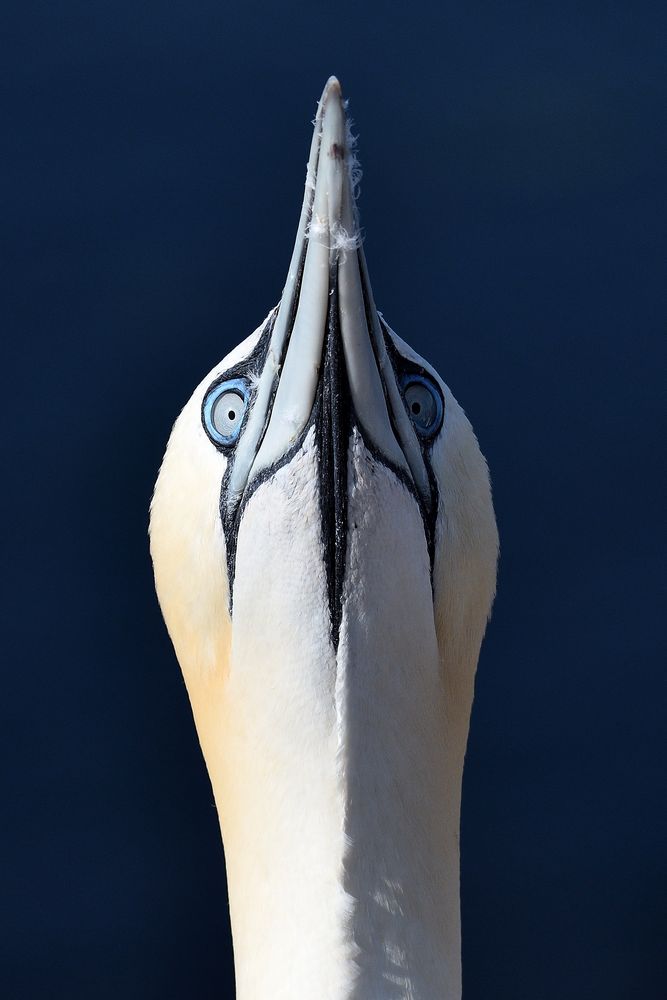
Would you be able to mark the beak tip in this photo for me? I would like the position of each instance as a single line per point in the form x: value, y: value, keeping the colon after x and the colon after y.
x: 331, y: 119
x: 332, y: 88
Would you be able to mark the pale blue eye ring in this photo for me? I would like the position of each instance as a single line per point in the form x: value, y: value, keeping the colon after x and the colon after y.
x: 424, y: 403
x: 223, y: 410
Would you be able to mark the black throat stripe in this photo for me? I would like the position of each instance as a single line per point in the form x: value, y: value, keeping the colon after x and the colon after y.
x: 333, y: 425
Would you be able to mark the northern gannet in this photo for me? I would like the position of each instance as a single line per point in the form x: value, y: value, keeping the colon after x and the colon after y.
x: 325, y: 549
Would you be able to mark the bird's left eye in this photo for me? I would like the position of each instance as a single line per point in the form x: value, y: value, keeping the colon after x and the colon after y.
x: 424, y: 402
x: 224, y: 409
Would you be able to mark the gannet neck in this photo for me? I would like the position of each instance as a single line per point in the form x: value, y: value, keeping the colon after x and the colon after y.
x: 337, y: 786
x: 325, y: 549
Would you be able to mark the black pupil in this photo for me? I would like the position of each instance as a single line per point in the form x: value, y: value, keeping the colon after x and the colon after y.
x: 416, y: 408
x: 232, y: 415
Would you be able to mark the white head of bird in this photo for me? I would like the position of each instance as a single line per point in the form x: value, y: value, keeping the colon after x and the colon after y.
x: 325, y: 553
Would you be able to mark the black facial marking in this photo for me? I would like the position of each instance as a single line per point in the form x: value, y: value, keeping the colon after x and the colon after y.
x: 250, y: 367
x: 334, y: 420
x: 231, y: 509
x: 333, y: 434
x: 427, y: 508
x: 247, y: 368
x: 429, y: 512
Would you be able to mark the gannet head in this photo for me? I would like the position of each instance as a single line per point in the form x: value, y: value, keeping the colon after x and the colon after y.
x: 325, y: 554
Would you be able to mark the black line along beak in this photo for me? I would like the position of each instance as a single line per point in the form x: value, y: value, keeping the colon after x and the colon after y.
x: 326, y: 357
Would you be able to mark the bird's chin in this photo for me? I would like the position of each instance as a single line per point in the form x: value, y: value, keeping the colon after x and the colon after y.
x: 288, y: 548
x: 280, y: 605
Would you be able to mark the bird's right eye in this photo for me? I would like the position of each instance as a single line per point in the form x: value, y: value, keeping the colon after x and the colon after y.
x: 224, y: 408
x: 424, y: 403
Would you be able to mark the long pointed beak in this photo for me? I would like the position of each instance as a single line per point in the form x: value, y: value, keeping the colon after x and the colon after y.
x: 327, y: 294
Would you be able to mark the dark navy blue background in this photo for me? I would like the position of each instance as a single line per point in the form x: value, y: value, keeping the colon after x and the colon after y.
x: 514, y: 205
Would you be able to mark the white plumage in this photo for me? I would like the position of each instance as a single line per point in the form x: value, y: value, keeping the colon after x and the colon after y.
x: 335, y: 751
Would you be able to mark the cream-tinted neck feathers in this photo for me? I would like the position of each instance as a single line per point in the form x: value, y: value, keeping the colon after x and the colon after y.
x: 327, y: 610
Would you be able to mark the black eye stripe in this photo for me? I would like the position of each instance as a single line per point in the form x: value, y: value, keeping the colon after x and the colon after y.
x: 243, y: 374
x: 409, y: 371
